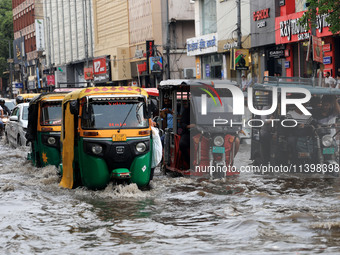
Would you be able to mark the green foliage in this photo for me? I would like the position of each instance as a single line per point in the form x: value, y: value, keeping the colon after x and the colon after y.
x: 6, y: 33
x: 320, y: 7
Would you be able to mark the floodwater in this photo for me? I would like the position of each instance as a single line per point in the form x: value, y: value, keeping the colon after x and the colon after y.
x: 247, y: 214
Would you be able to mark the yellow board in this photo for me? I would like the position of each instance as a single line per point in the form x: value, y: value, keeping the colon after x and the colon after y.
x: 68, y: 150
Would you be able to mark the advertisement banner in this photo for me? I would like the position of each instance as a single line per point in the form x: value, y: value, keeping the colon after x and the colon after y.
x: 240, y: 59
x: 317, y: 49
x: 18, y: 50
x: 99, y: 66
x: 50, y: 80
x: 39, y: 34
x: 156, y: 64
x: 88, y: 73
x: 198, y: 68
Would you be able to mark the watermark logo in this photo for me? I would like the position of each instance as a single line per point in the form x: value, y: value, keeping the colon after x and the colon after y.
x: 239, y: 100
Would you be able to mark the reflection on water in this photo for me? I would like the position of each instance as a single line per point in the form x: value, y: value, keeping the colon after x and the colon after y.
x: 247, y: 214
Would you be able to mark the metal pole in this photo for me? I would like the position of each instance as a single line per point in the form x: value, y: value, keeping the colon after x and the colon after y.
x: 167, y: 41
x: 10, y: 69
x: 239, y: 37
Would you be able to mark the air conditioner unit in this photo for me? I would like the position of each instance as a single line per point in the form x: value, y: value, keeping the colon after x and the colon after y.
x: 189, y: 73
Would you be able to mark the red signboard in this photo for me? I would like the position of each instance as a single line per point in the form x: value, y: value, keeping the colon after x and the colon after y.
x: 142, y: 67
x: 326, y: 47
x: 88, y: 73
x: 317, y: 49
x: 99, y: 66
x: 288, y: 29
x: 50, y: 79
x: 263, y: 14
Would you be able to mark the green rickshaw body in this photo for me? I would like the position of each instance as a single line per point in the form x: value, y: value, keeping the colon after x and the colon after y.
x: 106, y: 136
x: 44, y: 128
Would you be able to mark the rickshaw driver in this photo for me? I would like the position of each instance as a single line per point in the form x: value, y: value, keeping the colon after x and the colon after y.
x: 188, y: 131
x: 329, y: 111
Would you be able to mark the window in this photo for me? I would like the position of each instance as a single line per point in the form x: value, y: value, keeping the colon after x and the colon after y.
x: 114, y: 115
x: 209, y: 20
x: 51, y: 113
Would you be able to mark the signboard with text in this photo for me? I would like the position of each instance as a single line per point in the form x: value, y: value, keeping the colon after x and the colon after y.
x: 202, y: 45
x: 317, y: 49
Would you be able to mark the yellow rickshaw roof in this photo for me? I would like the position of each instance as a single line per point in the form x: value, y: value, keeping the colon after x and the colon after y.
x: 29, y: 95
x: 115, y: 90
x: 54, y: 96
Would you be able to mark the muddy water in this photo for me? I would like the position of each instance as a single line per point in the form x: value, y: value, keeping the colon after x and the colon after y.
x: 248, y: 214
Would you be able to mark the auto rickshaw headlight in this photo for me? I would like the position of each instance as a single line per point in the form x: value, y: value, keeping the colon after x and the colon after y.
x: 218, y: 141
x: 97, y: 149
x: 51, y: 140
x: 327, y: 140
x: 140, y: 147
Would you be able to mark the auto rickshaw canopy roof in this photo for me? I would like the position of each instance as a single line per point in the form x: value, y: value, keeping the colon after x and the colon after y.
x: 314, y: 90
x: 49, y: 96
x: 115, y: 90
x: 194, y: 82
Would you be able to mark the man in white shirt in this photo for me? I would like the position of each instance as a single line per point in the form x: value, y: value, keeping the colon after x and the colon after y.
x: 329, y: 81
x: 244, y: 82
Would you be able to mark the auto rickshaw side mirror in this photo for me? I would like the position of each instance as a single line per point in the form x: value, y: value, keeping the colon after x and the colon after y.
x: 74, y: 107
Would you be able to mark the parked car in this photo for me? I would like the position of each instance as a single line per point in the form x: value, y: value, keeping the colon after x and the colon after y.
x: 16, y: 126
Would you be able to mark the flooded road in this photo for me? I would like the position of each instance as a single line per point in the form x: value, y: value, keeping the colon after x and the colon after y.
x: 247, y: 214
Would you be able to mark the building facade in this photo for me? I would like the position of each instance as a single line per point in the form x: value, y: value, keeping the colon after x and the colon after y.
x: 28, y: 46
x: 307, y: 53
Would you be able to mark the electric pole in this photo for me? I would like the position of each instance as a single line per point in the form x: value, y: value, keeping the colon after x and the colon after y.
x: 239, y: 37
x: 167, y: 41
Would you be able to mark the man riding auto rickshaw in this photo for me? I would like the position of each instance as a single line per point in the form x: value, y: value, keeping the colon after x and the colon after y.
x: 44, y: 127
x: 303, y: 141
x: 106, y: 136
x: 195, y: 145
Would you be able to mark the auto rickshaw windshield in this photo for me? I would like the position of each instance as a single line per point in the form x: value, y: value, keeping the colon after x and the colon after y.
x: 114, y: 114
x: 51, y: 113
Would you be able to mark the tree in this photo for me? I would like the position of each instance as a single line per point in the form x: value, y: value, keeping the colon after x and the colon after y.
x: 322, y: 7
x: 6, y: 32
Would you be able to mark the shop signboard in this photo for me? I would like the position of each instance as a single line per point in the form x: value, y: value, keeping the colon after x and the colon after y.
x: 288, y: 29
x: 327, y: 60
x: 287, y: 64
x: 207, y: 70
x: 327, y: 47
x: 39, y: 32
x: 202, y: 45
x: 99, y: 66
x: 19, y: 85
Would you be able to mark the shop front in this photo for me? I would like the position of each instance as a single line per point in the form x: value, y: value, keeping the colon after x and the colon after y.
x: 300, y: 53
x: 209, y: 63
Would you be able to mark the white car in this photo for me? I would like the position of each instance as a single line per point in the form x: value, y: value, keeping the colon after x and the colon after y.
x: 16, y: 126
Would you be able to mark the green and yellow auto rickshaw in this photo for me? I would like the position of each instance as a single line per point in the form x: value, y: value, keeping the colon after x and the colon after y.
x: 44, y: 126
x: 106, y: 136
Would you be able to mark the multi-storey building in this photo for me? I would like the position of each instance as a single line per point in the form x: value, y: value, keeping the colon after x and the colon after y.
x: 299, y: 43
x: 69, y: 41
x: 28, y: 44
x: 216, y: 41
